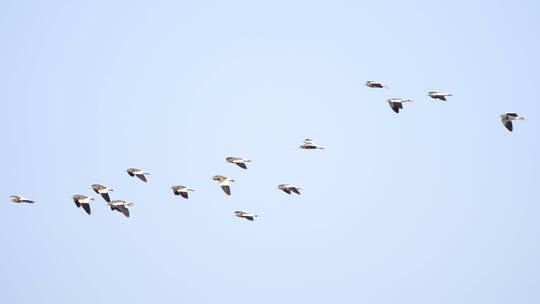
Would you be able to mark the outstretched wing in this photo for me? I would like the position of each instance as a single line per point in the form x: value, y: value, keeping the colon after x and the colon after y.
x: 286, y: 190
x: 86, y: 208
x: 395, y: 106
x: 77, y: 203
x: 241, y: 165
x: 142, y: 177
x: 123, y: 209
x: 295, y: 190
x: 226, y: 189
x: 183, y: 194
x: 441, y: 97
x: 508, y: 124
x: 106, y: 197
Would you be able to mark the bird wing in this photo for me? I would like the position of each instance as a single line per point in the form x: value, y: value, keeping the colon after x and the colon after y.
x: 295, y: 190
x: 441, y: 97
x: 130, y: 173
x: 184, y: 194
x: 86, y: 208
x: 512, y: 114
x: 248, y: 217
x: 106, y: 197
x: 142, y: 177
x: 226, y: 189
x: 123, y: 210
x: 395, y: 106
x: 241, y: 165
x: 77, y: 202
x: 508, y: 124
x: 286, y: 190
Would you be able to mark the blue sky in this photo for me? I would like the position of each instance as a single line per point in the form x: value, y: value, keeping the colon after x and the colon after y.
x: 432, y: 205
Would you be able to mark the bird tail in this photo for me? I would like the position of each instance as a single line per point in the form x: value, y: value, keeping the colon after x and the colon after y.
x: 520, y: 118
x: 322, y: 148
x: 386, y: 87
x: 111, y: 189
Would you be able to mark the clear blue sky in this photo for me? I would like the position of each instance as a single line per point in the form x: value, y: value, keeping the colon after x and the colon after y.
x: 437, y: 204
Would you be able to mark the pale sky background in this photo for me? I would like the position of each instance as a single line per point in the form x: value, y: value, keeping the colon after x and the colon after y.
x: 437, y: 204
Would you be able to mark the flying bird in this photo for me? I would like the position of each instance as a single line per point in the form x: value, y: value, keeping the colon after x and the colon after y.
x: 309, y: 145
x: 288, y: 188
x: 21, y: 199
x: 507, y: 118
x: 181, y: 190
x: 120, y: 206
x: 397, y: 103
x: 438, y: 95
x: 240, y: 162
x: 103, y: 191
x: 247, y: 216
x: 223, y: 183
x: 138, y: 173
x: 375, y: 84
x: 83, y: 201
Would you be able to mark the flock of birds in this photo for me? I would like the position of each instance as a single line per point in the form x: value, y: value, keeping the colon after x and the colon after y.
x: 121, y: 206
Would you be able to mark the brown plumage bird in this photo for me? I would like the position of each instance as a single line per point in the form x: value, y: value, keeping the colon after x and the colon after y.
x: 374, y: 84
x: 438, y: 95
x: 309, y: 145
x: 289, y: 188
x: 83, y: 201
x: 21, y: 199
x: 397, y: 103
x: 247, y: 216
x: 240, y: 162
x: 138, y: 173
x: 181, y: 190
x: 103, y: 191
x: 223, y: 183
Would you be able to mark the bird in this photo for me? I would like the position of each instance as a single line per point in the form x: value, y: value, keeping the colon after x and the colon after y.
x: 181, y: 190
x: 103, y: 191
x: 507, y: 118
x: 83, y: 201
x: 288, y: 188
x: 438, y: 95
x: 309, y: 145
x: 120, y: 206
x: 138, y: 173
x: 223, y: 183
x: 240, y: 162
x: 247, y: 216
x: 375, y: 84
x: 397, y: 103
x: 21, y: 199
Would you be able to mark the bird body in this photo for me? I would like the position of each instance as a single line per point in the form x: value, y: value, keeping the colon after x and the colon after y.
x: 240, y: 162
x: 507, y: 118
x: 103, y: 191
x: 83, y: 201
x: 138, y: 173
x: 397, y: 103
x: 288, y: 188
x: 21, y: 199
x: 223, y: 183
x: 181, y: 190
x: 309, y: 145
x: 438, y: 95
x: 247, y: 216
x: 375, y: 84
